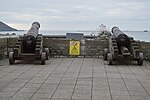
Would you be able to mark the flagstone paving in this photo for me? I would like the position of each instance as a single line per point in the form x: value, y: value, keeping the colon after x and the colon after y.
x: 74, y: 79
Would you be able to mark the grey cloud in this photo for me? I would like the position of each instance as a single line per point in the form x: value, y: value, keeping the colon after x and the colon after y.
x: 77, y: 14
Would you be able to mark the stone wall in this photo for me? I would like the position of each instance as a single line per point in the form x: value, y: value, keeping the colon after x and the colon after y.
x: 6, y: 45
x: 3, y: 48
x: 57, y: 47
x: 145, y: 48
x: 60, y: 47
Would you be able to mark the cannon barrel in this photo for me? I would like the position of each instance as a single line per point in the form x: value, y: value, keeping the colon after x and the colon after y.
x: 116, y: 31
x: 121, y: 37
x: 34, y: 30
x: 29, y: 41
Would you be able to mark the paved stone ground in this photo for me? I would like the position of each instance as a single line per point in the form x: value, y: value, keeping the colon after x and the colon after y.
x: 74, y: 79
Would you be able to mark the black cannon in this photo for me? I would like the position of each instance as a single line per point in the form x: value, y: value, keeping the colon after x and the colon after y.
x: 123, y: 47
x: 30, y: 46
x: 29, y: 40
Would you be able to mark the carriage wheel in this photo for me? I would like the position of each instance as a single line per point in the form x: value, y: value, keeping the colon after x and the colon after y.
x: 43, y: 58
x: 47, y: 53
x: 140, y: 60
x: 110, y: 59
x: 11, y: 58
x: 105, y: 53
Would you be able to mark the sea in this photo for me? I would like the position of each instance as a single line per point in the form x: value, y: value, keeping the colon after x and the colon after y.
x: 137, y: 35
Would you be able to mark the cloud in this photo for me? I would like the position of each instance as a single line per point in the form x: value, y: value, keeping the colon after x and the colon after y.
x: 76, y: 14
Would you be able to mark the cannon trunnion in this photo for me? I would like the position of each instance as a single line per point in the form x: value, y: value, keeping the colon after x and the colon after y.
x: 30, y: 46
x: 122, y: 47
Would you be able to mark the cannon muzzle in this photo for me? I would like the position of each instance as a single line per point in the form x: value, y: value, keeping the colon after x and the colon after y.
x: 30, y: 38
x: 34, y: 30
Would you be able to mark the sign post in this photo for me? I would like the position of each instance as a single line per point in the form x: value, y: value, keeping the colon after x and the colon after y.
x: 74, y: 49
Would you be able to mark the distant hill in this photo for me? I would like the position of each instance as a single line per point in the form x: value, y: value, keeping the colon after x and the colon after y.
x: 5, y: 27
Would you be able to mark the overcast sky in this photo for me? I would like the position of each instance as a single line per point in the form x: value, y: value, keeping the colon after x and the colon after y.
x: 76, y: 14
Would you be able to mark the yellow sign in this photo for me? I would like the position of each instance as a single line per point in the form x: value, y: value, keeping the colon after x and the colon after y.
x: 74, y: 47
